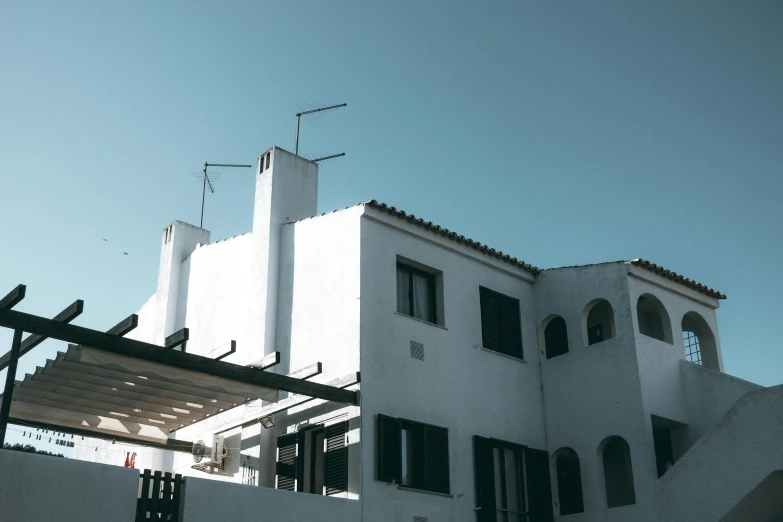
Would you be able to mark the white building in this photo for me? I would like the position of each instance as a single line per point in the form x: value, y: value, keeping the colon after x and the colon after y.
x: 489, y: 388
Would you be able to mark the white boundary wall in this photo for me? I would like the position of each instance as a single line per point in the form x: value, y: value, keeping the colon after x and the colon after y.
x: 41, y: 487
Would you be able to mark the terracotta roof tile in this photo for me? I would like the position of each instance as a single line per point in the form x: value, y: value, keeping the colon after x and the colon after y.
x: 445, y: 232
x: 677, y: 278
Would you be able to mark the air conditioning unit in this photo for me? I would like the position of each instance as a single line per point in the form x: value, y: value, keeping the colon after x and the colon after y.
x: 213, y: 457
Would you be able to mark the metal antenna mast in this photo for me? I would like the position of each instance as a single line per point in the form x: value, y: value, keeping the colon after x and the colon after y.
x: 208, y: 182
x: 305, y: 113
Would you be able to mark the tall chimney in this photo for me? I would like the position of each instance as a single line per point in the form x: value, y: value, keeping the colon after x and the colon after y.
x: 286, y: 191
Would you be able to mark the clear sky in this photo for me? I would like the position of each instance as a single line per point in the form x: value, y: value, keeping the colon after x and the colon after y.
x: 559, y: 132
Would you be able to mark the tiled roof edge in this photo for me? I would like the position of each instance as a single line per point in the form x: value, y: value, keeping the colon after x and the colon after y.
x: 677, y: 278
x: 448, y: 234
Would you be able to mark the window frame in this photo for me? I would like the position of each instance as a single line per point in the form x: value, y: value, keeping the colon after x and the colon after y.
x: 430, y: 277
x: 304, y: 475
x: 395, y: 475
x: 534, y: 481
x: 484, y: 293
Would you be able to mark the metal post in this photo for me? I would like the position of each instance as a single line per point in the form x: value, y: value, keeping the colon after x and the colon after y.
x: 298, y: 116
x: 10, y: 379
x: 203, y: 193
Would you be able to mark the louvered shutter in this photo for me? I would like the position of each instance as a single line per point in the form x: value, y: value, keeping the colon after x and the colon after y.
x: 287, y: 461
x: 485, y: 479
x: 436, y: 459
x: 336, y: 459
x: 511, y: 333
x: 539, y: 486
x: 389, y: 449
x: 501, y: 329
x: 490, y: 319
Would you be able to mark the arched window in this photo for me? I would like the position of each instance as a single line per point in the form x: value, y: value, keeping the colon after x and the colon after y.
x: 556, y: 337
x: 600, y: 321
x: 700, y: 347
x: 569, y: 481
x: 618, y: 473
x: 653, y: 319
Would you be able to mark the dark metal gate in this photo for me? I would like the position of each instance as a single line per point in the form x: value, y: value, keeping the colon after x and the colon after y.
x: 159, y: 497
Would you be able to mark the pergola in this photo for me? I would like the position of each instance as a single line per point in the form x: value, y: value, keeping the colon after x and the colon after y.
x: 107, y: 386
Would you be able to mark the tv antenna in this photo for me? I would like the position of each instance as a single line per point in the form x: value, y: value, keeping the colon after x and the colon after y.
x: 208, y: 182
x: 312, y: 110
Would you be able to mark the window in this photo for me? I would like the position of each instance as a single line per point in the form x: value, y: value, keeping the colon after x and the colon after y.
x: 413, y: 454
x: 653, y: 319
x: 501, y: 330
x: 600, y: 321
x: 569, y: 482
x: 416, y: 293
x: 314, y: 460
x: 662, y: 443
x: 618, y: 473
x: 700, y: 346
x: 512, y: 482
x: 556, y: 337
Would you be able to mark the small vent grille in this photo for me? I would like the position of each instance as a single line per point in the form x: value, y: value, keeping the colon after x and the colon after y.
x: 419, y: 519
x: 417, y: 352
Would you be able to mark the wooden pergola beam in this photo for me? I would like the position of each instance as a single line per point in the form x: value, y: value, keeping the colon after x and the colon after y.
x: 125, y: 326
x: 66, y: 316
x: 13, y: 297
x: 150, y: 352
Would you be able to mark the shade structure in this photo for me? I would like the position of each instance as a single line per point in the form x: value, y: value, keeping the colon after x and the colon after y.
x: 114, y: 395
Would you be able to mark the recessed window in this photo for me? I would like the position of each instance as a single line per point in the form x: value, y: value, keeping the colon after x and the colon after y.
x: 501, y: 329
x: 413, y: 454
x: 569, y: 482
x: 512, y: 482
x: 600, y: 321
x: 556, y: 337
x: 618, y: 473
x: 416, y: 293
x: 314, y: 460
x: 699, y: 342
x: 653, y: 319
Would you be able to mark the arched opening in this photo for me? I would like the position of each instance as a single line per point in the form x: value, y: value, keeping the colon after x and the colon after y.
x: 618, y: 473
x: 699, y: 342
x: 569, y: 481
x: 600, y: 321
x: 653, y: 318
x: 556, y: 337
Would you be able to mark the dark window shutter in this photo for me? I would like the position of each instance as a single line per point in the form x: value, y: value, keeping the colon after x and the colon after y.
x: 490, y: 319
x: 336, y: 459
x: 485, y: 479
x: 539, y: 486
x: 501, y: 329
x: 436, y: 457
x: 287, y: 461
x: 389, y: 449
x: 512, y: 329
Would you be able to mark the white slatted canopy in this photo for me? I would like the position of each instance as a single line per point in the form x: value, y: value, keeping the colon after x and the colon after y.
x: 111, y: 387
x: 94, y: 390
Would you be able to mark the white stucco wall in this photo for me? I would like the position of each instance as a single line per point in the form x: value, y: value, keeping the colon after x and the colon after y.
x: 458, y: 385
x: 728, y: 462
x: 593, y: 391
x: 40, y: 487
x: 209, y: 501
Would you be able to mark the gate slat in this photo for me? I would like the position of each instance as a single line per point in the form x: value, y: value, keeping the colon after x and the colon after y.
x: 176, y: 499
x: 165, y: 503
x: 142, y: 506
x: 155, y: 501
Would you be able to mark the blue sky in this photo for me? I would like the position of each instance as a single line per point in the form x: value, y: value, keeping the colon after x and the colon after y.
x: 561, y: 133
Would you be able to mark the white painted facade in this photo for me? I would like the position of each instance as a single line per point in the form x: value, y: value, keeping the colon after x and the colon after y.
x: 323, y: 288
